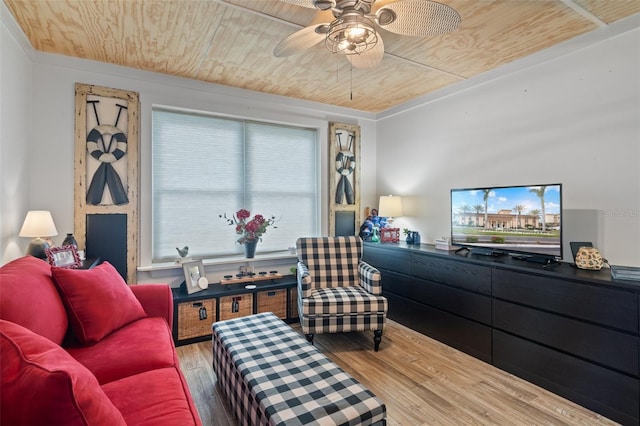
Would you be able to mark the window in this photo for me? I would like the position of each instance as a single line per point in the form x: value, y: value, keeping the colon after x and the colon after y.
x: 205, y: 166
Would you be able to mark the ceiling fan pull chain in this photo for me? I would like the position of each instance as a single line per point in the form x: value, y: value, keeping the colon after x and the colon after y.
x: 351, y: 84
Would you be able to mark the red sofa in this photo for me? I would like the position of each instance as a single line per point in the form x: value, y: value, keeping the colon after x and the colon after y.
x: 80, y: 347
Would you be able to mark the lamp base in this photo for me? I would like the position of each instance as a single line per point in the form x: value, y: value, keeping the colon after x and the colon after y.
x: 37, y: 248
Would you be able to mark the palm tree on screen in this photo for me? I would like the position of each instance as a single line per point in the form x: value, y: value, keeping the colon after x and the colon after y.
x: 519, y: 208
x: 479, y: 208
x: 536, y: 215
x: 539, y: 191
x: 487, y: 192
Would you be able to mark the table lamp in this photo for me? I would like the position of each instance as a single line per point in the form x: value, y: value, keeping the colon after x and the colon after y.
x: 390, y: 207
x: 39, y: 225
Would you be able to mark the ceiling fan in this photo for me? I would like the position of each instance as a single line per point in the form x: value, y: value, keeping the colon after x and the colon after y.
x: 352, y: 30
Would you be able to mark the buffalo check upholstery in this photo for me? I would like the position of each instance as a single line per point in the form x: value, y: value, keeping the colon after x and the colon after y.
x: 337, y: 291
x: 272, y: 376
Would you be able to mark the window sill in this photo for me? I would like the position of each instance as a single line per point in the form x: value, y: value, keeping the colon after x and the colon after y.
x: 223, y: 262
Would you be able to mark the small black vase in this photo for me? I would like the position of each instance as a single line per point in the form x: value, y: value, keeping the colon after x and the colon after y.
x: 416, y: 238
x: 70, y: 240
x: 409, y: 239
x: 250, y: 249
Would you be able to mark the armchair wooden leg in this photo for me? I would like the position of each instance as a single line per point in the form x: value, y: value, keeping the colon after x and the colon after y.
x: 309, y: 338
x: 377, y: 338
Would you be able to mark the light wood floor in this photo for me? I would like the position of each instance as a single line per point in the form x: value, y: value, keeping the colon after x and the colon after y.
x: 421, y: 381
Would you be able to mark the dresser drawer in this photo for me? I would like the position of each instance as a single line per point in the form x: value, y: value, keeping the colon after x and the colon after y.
x: 395, y: 283
x: 195, y: 318
x: 607, y: 392
x: 602, y: 345
x: 607, y: 306
x: 454, y: 300
x: 458, y: 274
x: 395, y: 260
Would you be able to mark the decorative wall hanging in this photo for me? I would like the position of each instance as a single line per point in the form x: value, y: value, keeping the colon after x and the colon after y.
x: 344, y: 179
x: 106, y: 175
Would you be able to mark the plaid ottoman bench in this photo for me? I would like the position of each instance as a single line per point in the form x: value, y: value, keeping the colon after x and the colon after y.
x: 272, y: 376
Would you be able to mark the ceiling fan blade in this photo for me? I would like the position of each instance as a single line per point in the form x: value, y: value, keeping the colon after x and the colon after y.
x: 370, y: 58
x: 298, y: 41
x: 303, y: 3
x: 418, y: 18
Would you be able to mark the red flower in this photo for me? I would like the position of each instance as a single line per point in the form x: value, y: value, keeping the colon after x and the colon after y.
x: 243, y: 214
x: 249, y: 230
x: 252, y: 226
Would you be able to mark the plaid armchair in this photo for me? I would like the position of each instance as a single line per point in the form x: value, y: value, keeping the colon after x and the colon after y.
x: 338, y: 292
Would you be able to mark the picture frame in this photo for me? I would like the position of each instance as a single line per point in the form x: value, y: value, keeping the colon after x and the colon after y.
x: 194, y: 276
x: 64, y: 257
x: 390, y: 235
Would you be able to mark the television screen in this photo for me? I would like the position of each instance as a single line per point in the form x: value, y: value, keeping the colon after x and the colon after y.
x: 524, y: 219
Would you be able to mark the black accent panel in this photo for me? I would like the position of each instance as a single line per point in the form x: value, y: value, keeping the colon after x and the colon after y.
x: 345, y: 224
x: 107, y: 239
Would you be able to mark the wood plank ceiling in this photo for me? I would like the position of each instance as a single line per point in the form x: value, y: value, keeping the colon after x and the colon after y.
x: 230, y: 42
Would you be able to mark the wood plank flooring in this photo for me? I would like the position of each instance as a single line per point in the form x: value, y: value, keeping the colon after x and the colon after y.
x: 421, y: 381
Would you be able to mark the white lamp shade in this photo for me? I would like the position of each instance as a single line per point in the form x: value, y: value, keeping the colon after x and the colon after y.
x: 38, y: 223
x: 390, y: 206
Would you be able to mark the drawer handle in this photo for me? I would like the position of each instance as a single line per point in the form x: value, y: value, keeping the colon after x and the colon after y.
x: 202, y: 313
x: 197, y: 304
x: 271, y: 293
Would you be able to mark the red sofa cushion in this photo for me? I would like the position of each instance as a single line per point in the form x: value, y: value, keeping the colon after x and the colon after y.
x: 98, y: 301
x: 157, y: 397
x: 42, y: 384
x: 141, y: 346
x: 29, y: 298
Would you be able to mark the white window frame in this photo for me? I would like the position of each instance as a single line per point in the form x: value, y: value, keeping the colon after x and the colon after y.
x: 321, y: 134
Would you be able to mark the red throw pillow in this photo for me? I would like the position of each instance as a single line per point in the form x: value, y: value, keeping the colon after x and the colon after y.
x: 28, y: 297
x: 98, y: 301
x: 43, y: 385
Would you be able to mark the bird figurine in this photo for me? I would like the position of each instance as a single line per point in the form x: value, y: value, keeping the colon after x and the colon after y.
x: 183, y: 251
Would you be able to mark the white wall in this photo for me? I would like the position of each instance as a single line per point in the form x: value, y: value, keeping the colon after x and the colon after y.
x: 574, y: 119
x: 16, y: 139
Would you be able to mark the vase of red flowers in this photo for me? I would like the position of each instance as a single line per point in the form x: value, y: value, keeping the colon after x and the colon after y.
x: 250, y: 229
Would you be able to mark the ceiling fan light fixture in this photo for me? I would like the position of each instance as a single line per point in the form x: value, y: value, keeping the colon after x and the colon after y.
x: 351, y: 34
x: 324, y: 4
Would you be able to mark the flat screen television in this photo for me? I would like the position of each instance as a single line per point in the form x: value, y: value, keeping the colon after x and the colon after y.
x: 524, y: 220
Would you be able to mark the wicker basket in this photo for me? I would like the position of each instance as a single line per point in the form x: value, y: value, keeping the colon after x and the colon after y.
x: 236, y: 306
x: 195, y: 318
x: 273, y: 301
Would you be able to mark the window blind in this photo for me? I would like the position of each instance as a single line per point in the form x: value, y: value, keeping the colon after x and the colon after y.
x: 204, y: 166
